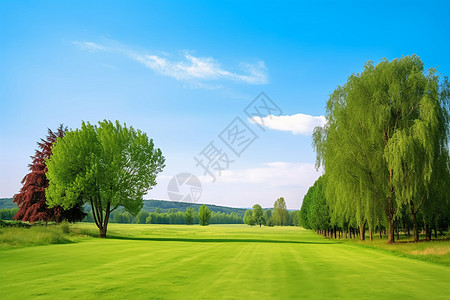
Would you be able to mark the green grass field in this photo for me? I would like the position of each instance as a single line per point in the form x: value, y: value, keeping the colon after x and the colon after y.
x: 214, y: 262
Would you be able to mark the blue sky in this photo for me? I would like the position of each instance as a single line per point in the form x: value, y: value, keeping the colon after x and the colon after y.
x: 182, y: 71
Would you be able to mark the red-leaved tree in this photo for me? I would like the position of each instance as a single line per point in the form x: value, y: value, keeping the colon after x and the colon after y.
x: 31, y: 198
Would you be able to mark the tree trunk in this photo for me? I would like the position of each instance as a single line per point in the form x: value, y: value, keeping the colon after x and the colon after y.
x: 416, y: 230
x: 391, y: 230
x: 390, y: 211
x: 398, y: 234
x: 104, y: 226
x: 362, y: 229
x: 335, y: 232
x: 427, y: 232
x: 413, y: 214
x: 371, y: 235
x: 102, y: 232
x: 381, y: 236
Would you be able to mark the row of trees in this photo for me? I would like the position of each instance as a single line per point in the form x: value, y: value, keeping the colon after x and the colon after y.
x: 8, y: 213
x: 316, y: 214
x: 384, y: 151
x: 279, y: 216
x: 173, y: 216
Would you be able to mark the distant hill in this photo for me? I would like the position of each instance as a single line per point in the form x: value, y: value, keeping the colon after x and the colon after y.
x: 152, y: 205
x: 7, y: 203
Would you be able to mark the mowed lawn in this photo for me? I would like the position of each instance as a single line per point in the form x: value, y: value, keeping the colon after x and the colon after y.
x: 214, y: 262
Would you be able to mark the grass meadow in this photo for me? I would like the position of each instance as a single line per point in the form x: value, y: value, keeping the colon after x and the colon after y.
x: 214, y: 262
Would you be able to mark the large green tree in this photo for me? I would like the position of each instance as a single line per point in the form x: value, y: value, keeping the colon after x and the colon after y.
x: 258, y: 214
x: 384, y: 129
x: 204, y: 214
x: 107, y: 166
x: 280, y: 213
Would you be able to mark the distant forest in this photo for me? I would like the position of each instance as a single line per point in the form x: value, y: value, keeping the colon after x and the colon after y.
x: 160, y: 212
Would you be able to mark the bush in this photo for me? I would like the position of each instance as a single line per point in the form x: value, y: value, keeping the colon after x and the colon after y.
x: 65, y: 227
x: 34, y: 235
x: 18, y: 224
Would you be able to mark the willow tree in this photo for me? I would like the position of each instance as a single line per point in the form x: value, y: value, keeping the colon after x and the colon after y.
x: 106, y: 166
x: 384, y: 127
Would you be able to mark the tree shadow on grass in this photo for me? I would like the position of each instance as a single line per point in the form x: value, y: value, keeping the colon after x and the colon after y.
x: 219, y: 240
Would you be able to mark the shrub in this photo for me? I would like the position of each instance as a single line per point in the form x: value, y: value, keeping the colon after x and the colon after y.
x: 18, y: 224
x: 65, y: 227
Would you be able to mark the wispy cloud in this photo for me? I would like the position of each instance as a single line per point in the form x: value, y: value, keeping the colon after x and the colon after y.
x: 297, y: 124
x: 187, y: 68
x: 89, y: 46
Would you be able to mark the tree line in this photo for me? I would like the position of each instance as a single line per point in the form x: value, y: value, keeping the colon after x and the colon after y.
x: 385, y: 153
x: 8, y: 213
x: 172, y: 216
x: 279, y: 216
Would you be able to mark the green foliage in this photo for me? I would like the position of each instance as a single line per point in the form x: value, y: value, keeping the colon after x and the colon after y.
x: 189, y: 216
x: 268, y: 218
x: 204, y: 215
x: 319, y: 217
x: 386, y: 135
x: 306, y: 206
x: 14, y: 223
x: 27, y: 235
x: 248, y: 218
x: 258, y: 214
x: 141, y: 217
x: 8, y: 213
x: 107, y: 166
x: 7, y: 203
x: 65, y: 227
x: 294, y: 217
x: 164, y: 206
x: 120, y: 216
x: 280, y: 213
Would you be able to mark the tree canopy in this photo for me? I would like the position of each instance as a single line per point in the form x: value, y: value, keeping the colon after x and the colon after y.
x: 280, y: 213
x: 107, y: 166
x: 248, y: 218
x: 204, y: 214
x: 31, y: 199
x: 189, y: 216
x: 385, y: 140
x: 258, y: 214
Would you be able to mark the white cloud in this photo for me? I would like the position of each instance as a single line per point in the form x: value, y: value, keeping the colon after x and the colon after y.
x: 273, y: 174
x: 189, y: 68
x: 297, y: 124
x: 197, y: 69
x: 89, y: 46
